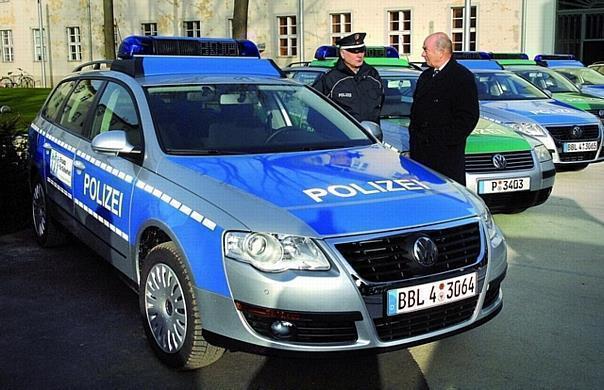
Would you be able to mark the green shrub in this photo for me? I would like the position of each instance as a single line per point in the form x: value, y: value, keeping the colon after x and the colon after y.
x: 14, y: 192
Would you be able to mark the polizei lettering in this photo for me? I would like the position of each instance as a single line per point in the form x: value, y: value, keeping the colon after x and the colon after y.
x: 369, y: 188
x: 103, y: 194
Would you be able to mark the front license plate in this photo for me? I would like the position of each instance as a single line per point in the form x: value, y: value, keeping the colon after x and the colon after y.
x: 425, y: 296
x: 504, y: 185
x: 589, y: 146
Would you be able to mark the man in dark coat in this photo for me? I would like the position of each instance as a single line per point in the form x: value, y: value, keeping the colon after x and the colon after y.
x: 444, y: 111
x: 352, y: 84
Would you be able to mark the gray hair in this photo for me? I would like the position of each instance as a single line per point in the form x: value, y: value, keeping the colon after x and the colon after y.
x: 443, y: 42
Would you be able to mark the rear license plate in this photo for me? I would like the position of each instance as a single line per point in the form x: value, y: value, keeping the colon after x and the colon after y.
x: 504, y: 185
x: 425, y: 296
x: 589, y: 146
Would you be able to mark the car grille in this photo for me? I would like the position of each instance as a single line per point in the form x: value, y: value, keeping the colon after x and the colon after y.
x: 564, y: 133
x: 424, y: 321
x: 390, y: 258
x: 515, y: 201
x: 484, y: 162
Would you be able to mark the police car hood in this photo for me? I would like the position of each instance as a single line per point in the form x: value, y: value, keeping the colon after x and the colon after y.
x: 542, y: 111
x: 595, y: 90
x: 323, y: 193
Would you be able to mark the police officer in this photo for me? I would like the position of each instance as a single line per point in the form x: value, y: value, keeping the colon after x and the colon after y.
x: 352, y: 84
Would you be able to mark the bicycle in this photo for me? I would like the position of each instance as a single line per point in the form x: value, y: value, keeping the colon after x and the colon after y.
x: 21, y: 80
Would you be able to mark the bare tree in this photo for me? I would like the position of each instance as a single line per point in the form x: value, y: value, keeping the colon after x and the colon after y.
x: 240, y: 19
x: 108, y: 28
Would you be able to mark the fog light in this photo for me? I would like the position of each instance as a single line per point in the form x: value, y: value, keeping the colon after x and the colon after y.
x: 283, y: 329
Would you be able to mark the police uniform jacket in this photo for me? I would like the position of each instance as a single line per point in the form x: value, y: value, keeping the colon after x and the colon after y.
x: 444, y: 113
x: 360, y: 94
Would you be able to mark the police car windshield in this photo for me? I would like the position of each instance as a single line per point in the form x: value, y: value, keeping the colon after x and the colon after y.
x: 506, y: 86
x: 552, y: 81
x: 398, y: 96
x: 584, y: 76
x: 248, y: 118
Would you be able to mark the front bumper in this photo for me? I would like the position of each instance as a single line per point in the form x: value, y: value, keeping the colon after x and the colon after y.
x: 555, y: 147
x: 336, y: 310
x: 542, y: 178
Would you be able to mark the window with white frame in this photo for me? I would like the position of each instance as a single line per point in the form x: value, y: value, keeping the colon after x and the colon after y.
x: 192, y: 28
x: 149, y: 28
x: 399, y: 30
x: 288, y: 36
x: 457, y: 28
x: 39, y: 44
x: 74, y: 44
x: 8, y: 51
x: 341, y: 25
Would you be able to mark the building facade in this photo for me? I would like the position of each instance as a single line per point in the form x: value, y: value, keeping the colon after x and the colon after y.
x: 285, y: 30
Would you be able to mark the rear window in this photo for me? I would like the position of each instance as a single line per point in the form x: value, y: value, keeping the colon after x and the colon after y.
x: 56, y: 100
x: 79, y: 103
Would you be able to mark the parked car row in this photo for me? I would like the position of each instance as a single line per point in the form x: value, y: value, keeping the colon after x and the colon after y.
x: 544, y: 111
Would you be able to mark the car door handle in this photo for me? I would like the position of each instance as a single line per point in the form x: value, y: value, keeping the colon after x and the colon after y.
x: 79, y: 166
x: 47, y: 146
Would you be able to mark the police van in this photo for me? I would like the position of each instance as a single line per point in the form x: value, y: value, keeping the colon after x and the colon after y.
x: 252, y: 214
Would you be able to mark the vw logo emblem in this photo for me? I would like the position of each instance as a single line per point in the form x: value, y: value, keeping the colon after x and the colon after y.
x: 425, y: 251
x: 499, y: 161
x: 577, y: 132
x: 601, y: 113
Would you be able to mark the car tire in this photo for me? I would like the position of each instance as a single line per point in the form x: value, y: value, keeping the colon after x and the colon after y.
x: 47, y: 231
x: 170, y: 311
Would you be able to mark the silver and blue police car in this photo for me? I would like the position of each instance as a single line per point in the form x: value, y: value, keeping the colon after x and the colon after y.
x: 573, y: 137
x: 251, y: 213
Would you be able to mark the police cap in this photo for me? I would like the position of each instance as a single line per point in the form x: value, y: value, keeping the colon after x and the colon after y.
x: 352, y: 41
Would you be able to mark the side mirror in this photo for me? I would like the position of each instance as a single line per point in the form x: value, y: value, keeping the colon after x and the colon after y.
x: 548, y: 93
x: 374, y: 129
x: 113, y: 143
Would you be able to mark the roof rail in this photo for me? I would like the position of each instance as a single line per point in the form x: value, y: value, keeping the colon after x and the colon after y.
x: 96, y: 65
x: 299, y: 63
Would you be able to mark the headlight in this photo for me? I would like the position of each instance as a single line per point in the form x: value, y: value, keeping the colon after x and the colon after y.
x: 495, y: 235
x: 275, y: 252
x: 542, y: 153
x: 532, y: 129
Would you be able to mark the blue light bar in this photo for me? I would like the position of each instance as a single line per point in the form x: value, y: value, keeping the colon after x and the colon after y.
x: 509, y: 56
x: 471, y: 55
x: 381, y: 52
x: 324, y: 52
x: 240, y: 66
x: 544, y: 57
x: 480, y: 64
x: 186, y: 46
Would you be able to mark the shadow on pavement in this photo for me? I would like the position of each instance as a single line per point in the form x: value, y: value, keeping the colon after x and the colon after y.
x: 68, y: 321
